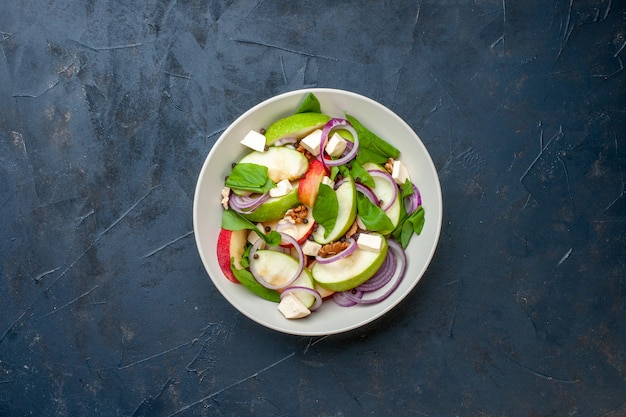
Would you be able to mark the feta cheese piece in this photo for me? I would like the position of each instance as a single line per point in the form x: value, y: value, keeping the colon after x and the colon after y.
x: 282, y: 188
x: 253, y: 236
x: 254, y: 140
x: 368, y: 242
x: 326, y: 180
x: 292, y: 308
x: 399, y: 173
x: 311, y: 248
x: 336, y: 145
x: 225, y: 197
x: 311, y: 142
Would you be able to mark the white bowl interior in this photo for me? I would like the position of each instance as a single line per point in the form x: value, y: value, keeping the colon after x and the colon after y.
x: 207, y: 210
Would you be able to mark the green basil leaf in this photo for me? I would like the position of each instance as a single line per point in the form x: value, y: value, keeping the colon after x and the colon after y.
x: 357, y: 171
x: 412, y: 224
x: 372, y: 216
x: 250, y: 177
x: 231, y: 220
x: 407, y: 189
x: 326, y: 208
x: 371, y: 147
x: 246, y: 279
x: 310, y: 104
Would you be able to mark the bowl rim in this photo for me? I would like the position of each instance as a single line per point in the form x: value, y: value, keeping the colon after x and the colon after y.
x: 319, y: 91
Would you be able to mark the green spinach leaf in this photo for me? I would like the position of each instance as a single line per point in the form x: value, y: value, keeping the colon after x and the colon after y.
x: 250, y: 177
x: 326, y: 208
x: 372, y: 216
x: 231, y: 220
x: 410, y: 225
x: 358, y: 172
x: 371, y: 147
x: 310, y: 104
x: 246, y: 279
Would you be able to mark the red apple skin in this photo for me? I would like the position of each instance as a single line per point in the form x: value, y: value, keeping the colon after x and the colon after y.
x: 230, y: 244
x: 309, y: 185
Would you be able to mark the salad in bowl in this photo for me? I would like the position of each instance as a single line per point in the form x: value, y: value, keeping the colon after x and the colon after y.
x: 317, y: 211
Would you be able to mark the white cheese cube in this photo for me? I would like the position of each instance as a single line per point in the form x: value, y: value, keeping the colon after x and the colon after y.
x: 311, y: 142
x: 292, y: 308
x: 311, y: 248
x: 254, y: 140
x: 399, y: 173
x: 253, y: 236
x: 326, y: 180
x: 336, y: 145
x: 282, y: 188
x: 371, y: 243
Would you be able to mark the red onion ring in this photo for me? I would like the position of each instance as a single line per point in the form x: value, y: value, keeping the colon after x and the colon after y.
x: 347, y: 251
x: 310, y: 291
x: 284, y: 141
x: 367, y: 192
x: 246, y: 204
x: 255, y: 274
x: 382, y: 276
x: 387, y: 177
x: 287, y: 227
x: 413, y: 201
x: 342, y: 300
x: 358, y: 296
x: 333, y: 124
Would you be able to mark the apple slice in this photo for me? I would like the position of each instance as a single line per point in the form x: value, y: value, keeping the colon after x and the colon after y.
x: 310, y: 184
x: 274, y: 207
x: 281, y: 162
x: 299, y: 231
x: 346, y: 197
x: 304, y: 280
x: 231, y: 244
x: 295, y: 126
x: 351, y: 271
x: 277, y: 268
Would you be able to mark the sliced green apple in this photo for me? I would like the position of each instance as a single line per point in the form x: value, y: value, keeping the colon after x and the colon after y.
x: 304, y: 280
x: 346, y: 197
x: 230, y: 244
x: 351, y: 271
x: 295, y: 126
x: 276, y: 268
x: 274, y: 207
x: 281, y: 162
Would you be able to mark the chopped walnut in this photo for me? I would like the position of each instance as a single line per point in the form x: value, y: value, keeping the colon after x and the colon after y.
x: 354, y: 229
x: 389, y: 165
x: 225, y: 197
x: 298, y: 214
x: 332, y: 248
x: 303, y: 151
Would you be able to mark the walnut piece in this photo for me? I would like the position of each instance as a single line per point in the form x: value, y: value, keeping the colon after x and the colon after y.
x: 389, y: 165
x: 352, y: 230
x: 298, y: 214
x: 332, y: 248
x: 303, y: 151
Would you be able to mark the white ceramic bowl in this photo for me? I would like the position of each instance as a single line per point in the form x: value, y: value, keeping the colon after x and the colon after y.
x: 207, y: 210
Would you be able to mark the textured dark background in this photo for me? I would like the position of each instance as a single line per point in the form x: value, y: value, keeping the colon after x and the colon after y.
x: 108, y: 109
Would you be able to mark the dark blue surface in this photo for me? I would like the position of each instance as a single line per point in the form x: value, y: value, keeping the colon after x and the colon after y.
x: 108, y: 109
